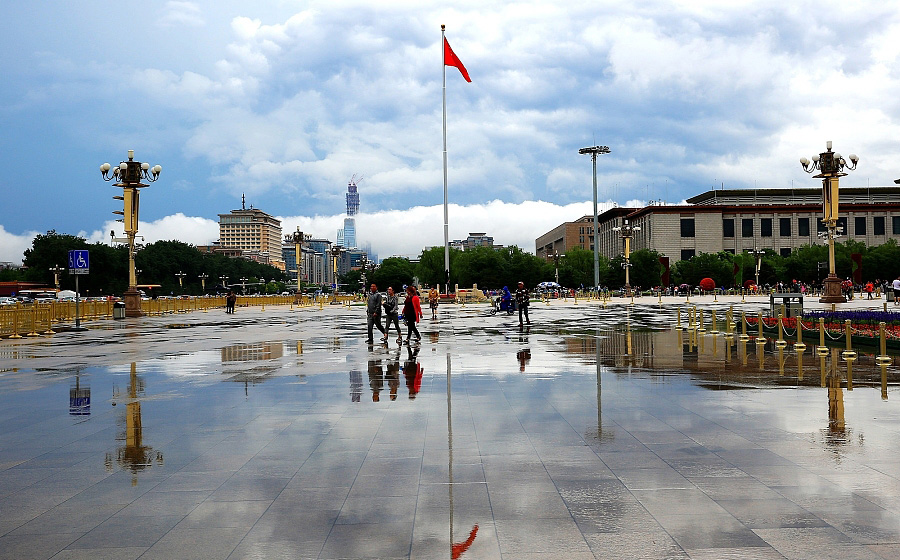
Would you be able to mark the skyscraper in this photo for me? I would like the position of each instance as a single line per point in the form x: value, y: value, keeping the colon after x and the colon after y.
x: 352, y: 210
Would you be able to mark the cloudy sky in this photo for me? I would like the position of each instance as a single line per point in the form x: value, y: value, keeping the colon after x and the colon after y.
x: 286, y: 100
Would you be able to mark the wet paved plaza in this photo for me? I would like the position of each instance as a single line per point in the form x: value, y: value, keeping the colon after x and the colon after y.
x: 597, y: 433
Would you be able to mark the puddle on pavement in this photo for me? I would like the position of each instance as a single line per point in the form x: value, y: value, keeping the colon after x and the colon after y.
x: 158, y: 415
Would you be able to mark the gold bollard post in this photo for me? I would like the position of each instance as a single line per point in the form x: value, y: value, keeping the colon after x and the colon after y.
x: 760, y: 339
x: 882, y: 359
x: 714, y: 329
x: 678, y: 325
x: 799, y: 346
x: 848, y: 355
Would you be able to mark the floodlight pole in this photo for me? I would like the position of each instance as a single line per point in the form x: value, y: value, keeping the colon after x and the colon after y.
x: 594, y: 150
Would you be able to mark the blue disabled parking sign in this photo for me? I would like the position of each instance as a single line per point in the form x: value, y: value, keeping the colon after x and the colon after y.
x: 79, y: 261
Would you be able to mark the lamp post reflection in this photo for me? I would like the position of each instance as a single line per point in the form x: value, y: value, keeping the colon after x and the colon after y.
x: 133, y: 455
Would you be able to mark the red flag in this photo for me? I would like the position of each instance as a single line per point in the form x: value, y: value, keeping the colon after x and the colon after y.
x: 450, y: 59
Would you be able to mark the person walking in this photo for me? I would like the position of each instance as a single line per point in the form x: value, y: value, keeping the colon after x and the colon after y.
x: 433, y: 297
x: 391, y: 312
x: 373, y: 311
x: 412, y: 312
x: 522, y: 302
x: 230, y: 301
x: 895, y: 285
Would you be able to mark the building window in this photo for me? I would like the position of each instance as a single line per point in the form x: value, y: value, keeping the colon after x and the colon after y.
x: 820, y: 225
x: 729, y: 251
x: 784, y: 227
x: 878, y: 225
x: 895, y: 224
x: 785, y: 251
x: 842, y: 225
x: 803, y: 227
x: 687, y: 227
x: 747, y: 227
x: 859, y: 225
x: 727, y: 227
x: 765, y: 227
x: 687, y: 254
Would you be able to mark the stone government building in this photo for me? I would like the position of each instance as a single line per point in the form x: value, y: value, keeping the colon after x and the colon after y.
x: 734, y: 220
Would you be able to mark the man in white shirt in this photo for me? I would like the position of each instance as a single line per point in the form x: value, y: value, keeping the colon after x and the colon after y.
x: 896, y: 286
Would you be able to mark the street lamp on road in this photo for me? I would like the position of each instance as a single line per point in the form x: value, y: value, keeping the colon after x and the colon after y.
x: 626, y: 232
x: 243, y: 286
x: 594, y: 150
x: 203, y: 278
x: 180, y: 276
x: 129, y: 175
x: 830, y: 166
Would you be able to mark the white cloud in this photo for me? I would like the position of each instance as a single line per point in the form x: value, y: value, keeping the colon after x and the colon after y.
x: 13, y: 246
x: 182, y: 13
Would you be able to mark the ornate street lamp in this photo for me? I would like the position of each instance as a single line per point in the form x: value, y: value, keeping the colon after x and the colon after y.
x: 556, y: 257
x: 626, y: 231
x: 129, y: 175
x: 203, y: 278
x: 243, y: 285
x: 594, y: 150
x: 758, y: 255
x: 56, y: 270
x: 336, y: 251
x: 297, y: 239
x: 180, y: 276
x: 830, y: 166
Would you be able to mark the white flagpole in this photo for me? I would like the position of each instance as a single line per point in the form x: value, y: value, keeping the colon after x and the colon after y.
x: 446, y: 220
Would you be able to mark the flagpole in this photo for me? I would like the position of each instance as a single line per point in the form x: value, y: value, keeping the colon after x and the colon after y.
x: 446, y: 220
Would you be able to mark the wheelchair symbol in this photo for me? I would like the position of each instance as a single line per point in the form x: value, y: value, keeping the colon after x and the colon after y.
x: 80, y: 262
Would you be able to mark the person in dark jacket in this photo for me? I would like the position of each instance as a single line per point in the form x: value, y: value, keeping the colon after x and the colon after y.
x: 373, y: 312
x: 522, y: 297
x: 391, y: 315
x: 412, y: 312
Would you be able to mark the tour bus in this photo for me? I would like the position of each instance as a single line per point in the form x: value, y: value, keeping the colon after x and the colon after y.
x: 39, y: 296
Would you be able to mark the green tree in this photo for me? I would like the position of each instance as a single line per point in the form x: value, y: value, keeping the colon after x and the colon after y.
x: 394, y: 272
x: 576, y: 268
x: 645, y: 268
x: 430, y: 268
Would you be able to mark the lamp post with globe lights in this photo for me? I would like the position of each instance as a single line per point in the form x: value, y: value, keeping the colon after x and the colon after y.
x: 129, y: 175
x: 626, y: 232
x: 203, y: 278
x: 831, y: 166
x: 180, y: 276
x: 56, y: 270
x: 297, y: 239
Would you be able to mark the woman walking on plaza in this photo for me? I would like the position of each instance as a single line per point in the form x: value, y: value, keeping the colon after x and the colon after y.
x: 391, y: 311
x: 412, y: 312
x: 433, y: 297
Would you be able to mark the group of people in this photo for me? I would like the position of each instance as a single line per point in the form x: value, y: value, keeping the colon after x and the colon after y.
x: 412, y: 313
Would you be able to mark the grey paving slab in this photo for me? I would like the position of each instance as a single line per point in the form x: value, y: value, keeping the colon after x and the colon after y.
x: 590, y: 451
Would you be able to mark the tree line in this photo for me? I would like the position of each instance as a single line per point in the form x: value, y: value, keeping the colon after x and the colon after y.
x: 483, y: 266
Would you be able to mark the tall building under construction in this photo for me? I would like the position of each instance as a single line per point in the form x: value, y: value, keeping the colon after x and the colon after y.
x: 349, y: 231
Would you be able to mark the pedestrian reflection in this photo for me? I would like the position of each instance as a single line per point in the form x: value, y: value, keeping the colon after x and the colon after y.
x: 355, y: 385
x: 412, y: 371
x: 524, y: 356
x: 134, y: 455
x: 376, y: 379
x: 393, y: 374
